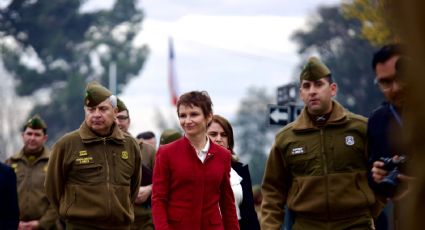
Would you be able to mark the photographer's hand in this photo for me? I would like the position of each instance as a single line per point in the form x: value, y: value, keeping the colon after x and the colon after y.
x: 378, y: 171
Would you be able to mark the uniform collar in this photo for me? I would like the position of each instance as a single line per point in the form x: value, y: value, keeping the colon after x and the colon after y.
x: 21, y: 156
x: 338, y: 116
x: 88, y: 136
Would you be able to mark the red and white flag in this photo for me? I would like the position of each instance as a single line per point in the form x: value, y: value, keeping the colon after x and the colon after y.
x: 172, y: 78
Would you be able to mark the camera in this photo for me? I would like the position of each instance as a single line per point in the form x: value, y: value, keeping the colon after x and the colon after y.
x: 390, y: 182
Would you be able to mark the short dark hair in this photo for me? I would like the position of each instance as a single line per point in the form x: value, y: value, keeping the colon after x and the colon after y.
x: 386, y: 52
x: 200, y: 99
x: 146, y: 135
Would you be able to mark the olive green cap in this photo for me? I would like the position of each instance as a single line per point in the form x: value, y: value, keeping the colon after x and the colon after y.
x: 314, y: 70
x: 35, y: 122
x: 121, y: 106
x: 168, y: 136
x: 95, y: 94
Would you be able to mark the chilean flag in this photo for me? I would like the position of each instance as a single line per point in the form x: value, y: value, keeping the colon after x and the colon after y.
x: 172, y: 81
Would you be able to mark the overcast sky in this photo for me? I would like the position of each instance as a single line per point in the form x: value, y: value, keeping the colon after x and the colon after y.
x: 221, y: 46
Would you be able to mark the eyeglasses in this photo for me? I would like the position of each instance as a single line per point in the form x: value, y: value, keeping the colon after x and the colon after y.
x: 121, y: 118
x: 387, y: 83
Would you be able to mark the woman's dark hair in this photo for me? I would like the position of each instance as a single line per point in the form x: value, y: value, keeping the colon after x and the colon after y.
x: 200, y: 99
x: 224, y: 123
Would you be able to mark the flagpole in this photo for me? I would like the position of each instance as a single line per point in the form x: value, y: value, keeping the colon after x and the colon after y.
x: 172, y: 81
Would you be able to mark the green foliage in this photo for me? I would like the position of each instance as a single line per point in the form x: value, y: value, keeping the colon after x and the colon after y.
x: 339, y: 43
x: 253, y: 137
x: 73, y: 48
x: 376, y: 27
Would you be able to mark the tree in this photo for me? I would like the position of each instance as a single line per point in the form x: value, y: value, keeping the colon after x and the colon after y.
x: 372, y: 14
x: 70, y: 49
x: 11, y: 119
x: 339, y: 43
x: 253, y: 136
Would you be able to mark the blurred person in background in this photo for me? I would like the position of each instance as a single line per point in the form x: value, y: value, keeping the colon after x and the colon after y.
x: 385, y: 134
x: 30, y: 166
x: 142, y: 207
x: 221, y: 132
x: 168, y: 136
x: 148, y: 137
x: 191, y: 181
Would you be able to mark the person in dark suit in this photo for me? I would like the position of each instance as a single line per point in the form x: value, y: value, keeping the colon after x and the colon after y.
x: 191, y: 179
x: 220, y: 131
x: 9, y: 209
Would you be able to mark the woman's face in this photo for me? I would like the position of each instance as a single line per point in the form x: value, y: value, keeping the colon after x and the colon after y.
x: 192, y: 120
x: 218, y: 135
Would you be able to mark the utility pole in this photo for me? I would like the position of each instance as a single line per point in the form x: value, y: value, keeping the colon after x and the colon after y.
x: 113, y: 77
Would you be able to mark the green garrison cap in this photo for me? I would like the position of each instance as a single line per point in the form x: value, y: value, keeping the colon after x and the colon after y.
x: 314, y: 70
x: 168, y: 136
x: 121, y: 106
x: 95, y: 94
x: 35, y: 122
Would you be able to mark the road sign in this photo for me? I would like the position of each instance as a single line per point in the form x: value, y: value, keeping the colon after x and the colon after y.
x: 278, y: 115
x: 288, y: 94
x: 282, y: 115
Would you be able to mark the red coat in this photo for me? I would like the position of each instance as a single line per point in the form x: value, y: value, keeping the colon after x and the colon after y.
x: 188, y: 194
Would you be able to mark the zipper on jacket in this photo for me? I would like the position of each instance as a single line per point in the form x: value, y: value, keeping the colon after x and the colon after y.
x: 325, y: 169
x: 107, y: 177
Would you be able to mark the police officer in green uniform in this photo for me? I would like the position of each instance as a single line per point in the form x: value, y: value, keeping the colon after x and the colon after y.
x: 142, y: 206
x: 169, y: 135
x: 94, y: 172
x: 30, y: 165
x: 317, y: 164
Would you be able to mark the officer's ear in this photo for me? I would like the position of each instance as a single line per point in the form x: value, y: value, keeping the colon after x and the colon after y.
x: 334, y: 89
x: 45, y: 138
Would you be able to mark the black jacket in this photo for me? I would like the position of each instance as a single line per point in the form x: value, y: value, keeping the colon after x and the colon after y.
x: 9, y: 210
x: 384, y: 138
x: 249, y: 219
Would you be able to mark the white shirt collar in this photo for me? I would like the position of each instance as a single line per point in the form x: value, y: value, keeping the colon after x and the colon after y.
x: 202, y: 154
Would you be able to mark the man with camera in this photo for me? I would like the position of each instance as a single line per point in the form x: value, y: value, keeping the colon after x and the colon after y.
x: 385, y: 141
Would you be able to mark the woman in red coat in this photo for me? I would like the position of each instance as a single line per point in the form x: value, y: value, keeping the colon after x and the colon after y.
x: 191, y: 180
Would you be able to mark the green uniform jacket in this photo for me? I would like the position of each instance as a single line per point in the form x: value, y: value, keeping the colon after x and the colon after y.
x: 142, y: 212
x: 320, y: 173
x: 93, y: 181
x: 148, y: 154
x: 33, y: 203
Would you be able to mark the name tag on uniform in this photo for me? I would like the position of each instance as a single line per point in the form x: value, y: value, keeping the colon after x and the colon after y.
x: 84, y: 160
x: 297, y: 151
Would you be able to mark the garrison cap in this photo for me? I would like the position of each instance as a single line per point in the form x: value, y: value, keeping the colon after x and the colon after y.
x: 121, y: 106
x: 168, y: 136
x: 95, y: 94
x: 314, y: 70
x: 35, y: 122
